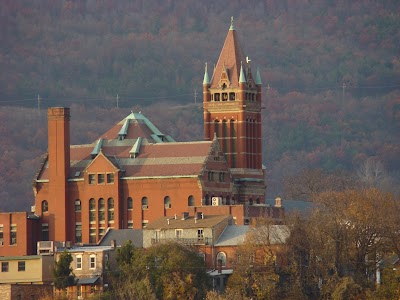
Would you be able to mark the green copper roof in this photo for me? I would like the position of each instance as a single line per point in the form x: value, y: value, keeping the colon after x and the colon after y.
x: 258, y: 77
x: 242, y: 78
x: 206, y: 79
x: 136, y: 147
x: 139, y: 116
x: 97, y: 147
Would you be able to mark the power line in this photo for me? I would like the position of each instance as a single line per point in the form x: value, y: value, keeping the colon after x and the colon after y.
x: 133, y: 98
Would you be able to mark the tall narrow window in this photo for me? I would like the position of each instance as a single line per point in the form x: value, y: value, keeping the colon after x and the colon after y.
x: 101, y: 209
x: 167, y: 202
x: 102, y: 231
x: 1, y: 235
x: 191, y: 200
x: 78, y: 262
x: 200, y: 234
x: 92, y: 210
x: 225, y: 136
x: 78, y: 205
x: 130, y: 224
x: 221, y: 256
x: 13, y: 234
x: 178, y: 233
x: 78, y: 233
x: 145, y: 203
x: 110, y: 206
x: 92, y: 262
x: 110, y: 177
x: 100, y: 178
x: 45, y: 206
x: 92, y: 235
x: 45, y: 232
x: 92, y: 178
x: 216, y: 128
x: 129, y: 203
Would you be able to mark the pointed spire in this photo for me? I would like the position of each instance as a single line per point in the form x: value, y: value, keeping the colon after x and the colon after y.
x: 206, y: 79
x: 258, y: 77
x: 232, y: 26
x: 242, y: 78
x: 229, y: 60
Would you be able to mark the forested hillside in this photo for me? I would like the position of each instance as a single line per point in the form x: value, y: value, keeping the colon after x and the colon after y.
x: 330, y: 69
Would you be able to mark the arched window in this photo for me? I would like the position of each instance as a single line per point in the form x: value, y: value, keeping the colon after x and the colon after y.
x: 92, y: 210
x: 167, y: 202
x: 221, y: 257
x: 145, y: 203
x: 110, y: 206
x: 78, y: 205
x: 129, y: 203
x: 258, y: 201
x: 250, y: 201
x: 45, y: 206
x: 101, y: 209
x: 191, y: 200
x: 221, y: 176
x: 216, y: 128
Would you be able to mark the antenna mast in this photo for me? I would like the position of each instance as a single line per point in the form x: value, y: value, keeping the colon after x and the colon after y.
x: 38, y: 103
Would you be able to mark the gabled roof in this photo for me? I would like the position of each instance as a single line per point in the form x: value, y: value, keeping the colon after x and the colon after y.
x: 230, y: 60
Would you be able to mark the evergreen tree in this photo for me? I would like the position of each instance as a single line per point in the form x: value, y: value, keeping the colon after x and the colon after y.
x: 62, y: 272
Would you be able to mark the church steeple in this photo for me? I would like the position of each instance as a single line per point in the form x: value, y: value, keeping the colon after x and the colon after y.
x: 227, y: 69
x: 232, y: 106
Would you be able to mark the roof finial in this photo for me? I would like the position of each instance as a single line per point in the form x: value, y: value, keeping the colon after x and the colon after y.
x: 232, y: 26
x: 242, y: 78
x: 206, y: 79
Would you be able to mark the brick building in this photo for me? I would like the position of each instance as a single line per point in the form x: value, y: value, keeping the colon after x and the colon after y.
x: 134, y: 174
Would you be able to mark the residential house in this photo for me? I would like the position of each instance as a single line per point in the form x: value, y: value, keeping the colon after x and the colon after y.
x: 26, y: 277
x: 91, y: 266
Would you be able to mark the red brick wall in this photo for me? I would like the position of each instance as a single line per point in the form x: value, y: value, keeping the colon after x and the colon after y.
x: 26, y: 234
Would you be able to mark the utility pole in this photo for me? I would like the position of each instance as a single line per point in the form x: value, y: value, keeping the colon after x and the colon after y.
x: 117, y: 101
x: 38, y: 103
x: 343, y: 91
x: 342, y: 121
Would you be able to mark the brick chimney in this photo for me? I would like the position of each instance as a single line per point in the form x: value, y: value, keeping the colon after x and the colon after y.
x: 59, y: 166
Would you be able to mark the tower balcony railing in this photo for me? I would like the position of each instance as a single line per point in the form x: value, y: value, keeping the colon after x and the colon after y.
x: 184, y: 241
